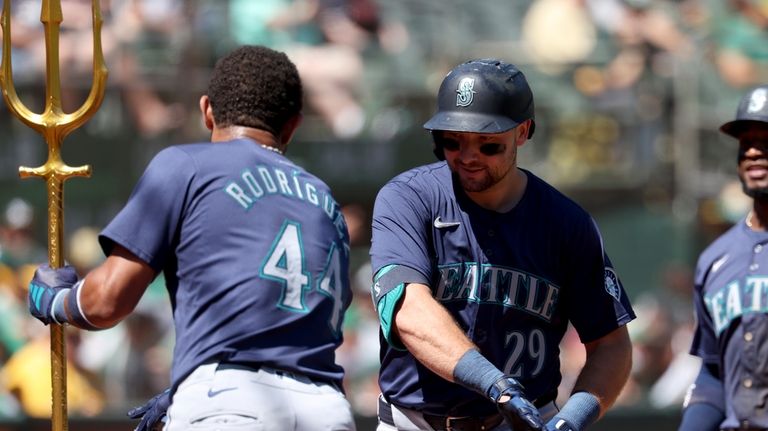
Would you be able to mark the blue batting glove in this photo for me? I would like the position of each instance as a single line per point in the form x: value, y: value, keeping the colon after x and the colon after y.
x: 47, y: 290
x: 152, y: 412
x: 518, y: 412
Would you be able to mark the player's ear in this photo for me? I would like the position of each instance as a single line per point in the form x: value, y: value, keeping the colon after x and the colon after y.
x: 206, y: 111
x: 522, y: 132
x: 290, y: 127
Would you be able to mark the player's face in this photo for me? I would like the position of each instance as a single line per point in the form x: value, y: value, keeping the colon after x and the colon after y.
x: 753, y: 161
x: 480, y: 160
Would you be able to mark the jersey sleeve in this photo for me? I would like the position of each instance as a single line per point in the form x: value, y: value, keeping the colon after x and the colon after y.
x: 704, y: 344
x: 399, y: 251
x: 400, y: 231
x: 596, y: 301
x: 150, y: 220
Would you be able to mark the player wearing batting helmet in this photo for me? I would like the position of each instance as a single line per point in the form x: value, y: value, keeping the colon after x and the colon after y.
x: 731, y: 295
x: 479, y: 268
x: 254, y: 250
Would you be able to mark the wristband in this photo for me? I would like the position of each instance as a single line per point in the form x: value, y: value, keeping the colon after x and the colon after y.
x: 474, y: 371
x: 58, y: 312
x: 581, y: 409
x: 701, y: 416
x: 76, y: 315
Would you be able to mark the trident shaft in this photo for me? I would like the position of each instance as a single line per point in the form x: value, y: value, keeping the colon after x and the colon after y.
x: 54, y: 125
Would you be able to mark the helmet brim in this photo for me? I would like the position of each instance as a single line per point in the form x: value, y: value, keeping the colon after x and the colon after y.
x: 470, y: 122
x: 736, y: 127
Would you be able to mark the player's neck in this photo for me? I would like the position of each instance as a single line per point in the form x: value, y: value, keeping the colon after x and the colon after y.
x: 757, y: 219
x: 263, y: 137
x: 503, y: 196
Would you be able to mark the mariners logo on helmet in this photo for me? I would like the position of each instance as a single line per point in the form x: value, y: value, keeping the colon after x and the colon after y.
x: 482, y: 96
x: 612, y: 284
x: 465, y: 94
x: 752, y: 111
x: 757, y: 101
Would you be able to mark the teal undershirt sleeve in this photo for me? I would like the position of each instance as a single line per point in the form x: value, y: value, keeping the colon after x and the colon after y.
x: 386, y: 309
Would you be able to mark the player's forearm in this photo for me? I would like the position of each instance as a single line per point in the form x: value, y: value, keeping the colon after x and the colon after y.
x: 100, y: 301
x: 429, y: 332
x: 704, y: 407
x: 609, y: 360
x: 607, y: 368
x: 111, y: 291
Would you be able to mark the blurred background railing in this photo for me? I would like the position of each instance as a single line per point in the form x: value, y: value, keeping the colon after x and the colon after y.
x: 629, y: 97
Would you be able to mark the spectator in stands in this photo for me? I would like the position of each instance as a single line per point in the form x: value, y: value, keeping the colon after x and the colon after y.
x: 12, y: 314
x: 18, y: 245
x: 27, y: 375
x: 151, y: 34
x: 742, y: 43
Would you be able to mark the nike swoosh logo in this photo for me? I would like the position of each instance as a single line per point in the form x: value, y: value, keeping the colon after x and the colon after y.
x: 212, y: 393
x: 719, y: 262
x: 444, y: 224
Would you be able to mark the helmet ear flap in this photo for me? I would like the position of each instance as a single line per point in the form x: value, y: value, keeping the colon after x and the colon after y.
x: 438, y: 151
x: 531, y: 129
x: 437, y: 148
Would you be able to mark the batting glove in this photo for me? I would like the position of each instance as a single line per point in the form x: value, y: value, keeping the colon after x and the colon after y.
x: 47, y: 290
x: 153, y: 412
x: 517, y: 411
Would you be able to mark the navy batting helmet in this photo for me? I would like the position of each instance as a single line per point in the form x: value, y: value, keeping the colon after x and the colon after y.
x: 482, y: 96
x: 753, y: 109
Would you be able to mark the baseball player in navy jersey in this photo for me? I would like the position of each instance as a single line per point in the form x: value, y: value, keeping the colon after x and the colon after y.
x: 254, y: 250
x: 731, y: 296
x: 480, y: 266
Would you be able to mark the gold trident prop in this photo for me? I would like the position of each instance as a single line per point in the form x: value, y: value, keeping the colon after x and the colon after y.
x: 54, y: 125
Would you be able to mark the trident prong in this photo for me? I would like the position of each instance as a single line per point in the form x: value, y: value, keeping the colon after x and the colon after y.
x: 54, y: 125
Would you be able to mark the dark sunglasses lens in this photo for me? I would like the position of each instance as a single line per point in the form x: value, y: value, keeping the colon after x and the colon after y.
x: 448, y: 144
x: 492, y: 149
x: 761, y: 144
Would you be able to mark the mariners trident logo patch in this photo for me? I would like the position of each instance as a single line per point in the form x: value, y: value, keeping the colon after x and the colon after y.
x: 612, y: 284
x: 465, y: 94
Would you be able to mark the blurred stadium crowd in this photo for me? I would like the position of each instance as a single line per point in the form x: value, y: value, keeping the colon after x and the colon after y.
x: 631, y: 93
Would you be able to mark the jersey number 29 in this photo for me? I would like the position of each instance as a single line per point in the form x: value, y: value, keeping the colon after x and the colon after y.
x: 523, y: 347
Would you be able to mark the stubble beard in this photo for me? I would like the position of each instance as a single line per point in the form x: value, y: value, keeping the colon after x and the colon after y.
x: 757, y: 193
x: 488, y: 180
x: 477, y: 185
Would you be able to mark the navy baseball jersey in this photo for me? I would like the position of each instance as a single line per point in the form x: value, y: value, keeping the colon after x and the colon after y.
x: 255, y: 253
x: 731, y: 301
x: 512, y: 281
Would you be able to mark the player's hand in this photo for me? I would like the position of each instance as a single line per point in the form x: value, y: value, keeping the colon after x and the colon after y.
x: 518, y: 412
x: 153, y: 412
x: 45, y: 285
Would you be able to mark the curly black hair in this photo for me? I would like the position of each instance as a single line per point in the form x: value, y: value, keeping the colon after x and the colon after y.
x: 255, y: 86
